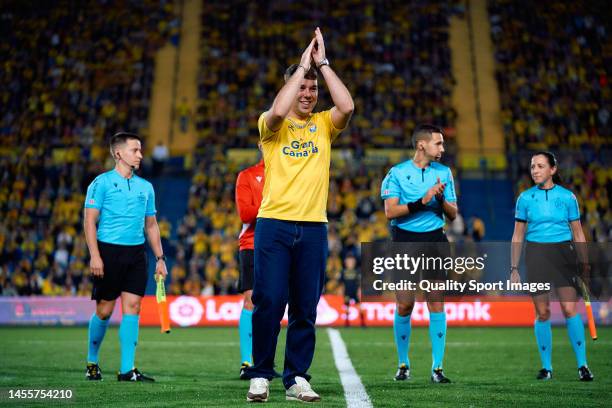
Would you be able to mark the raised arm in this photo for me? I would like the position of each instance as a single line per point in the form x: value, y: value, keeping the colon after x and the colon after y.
x: 286, y: 96
x: 343, y: 102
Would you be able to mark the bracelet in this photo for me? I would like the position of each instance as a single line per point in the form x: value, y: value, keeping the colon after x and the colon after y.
x: 415, y: 206
x: 303, y: 67
x: 161, y: 258
x: 514, y: 268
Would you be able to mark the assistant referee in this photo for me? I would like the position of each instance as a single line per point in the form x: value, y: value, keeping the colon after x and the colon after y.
x: 119, y: 209
x: 418, y: 194
x: 548, y: 218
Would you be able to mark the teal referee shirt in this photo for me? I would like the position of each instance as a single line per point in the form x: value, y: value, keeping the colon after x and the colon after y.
x: 123, y: 203
x: 547, y: 213
x: 409, y: 183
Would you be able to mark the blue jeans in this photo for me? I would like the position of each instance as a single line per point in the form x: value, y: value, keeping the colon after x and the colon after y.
x: 290, y: 261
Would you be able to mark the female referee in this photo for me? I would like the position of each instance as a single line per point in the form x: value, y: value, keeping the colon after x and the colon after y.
x: 548, y: 217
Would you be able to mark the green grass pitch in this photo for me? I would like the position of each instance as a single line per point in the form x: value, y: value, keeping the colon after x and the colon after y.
x: 490, y: 367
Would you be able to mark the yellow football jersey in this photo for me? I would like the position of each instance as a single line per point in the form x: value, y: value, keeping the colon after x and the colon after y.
x: 297, y: 159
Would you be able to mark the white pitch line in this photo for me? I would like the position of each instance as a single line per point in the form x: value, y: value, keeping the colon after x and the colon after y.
x: 354, y: 391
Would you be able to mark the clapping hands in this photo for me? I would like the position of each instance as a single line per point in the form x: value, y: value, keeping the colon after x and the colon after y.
x: 436, y: 191
x: 314, y: 52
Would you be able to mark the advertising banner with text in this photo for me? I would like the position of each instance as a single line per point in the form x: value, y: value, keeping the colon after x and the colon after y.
x: 188, y: 311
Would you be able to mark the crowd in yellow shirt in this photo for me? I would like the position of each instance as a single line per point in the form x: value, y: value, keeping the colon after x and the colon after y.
x: 71, y: 74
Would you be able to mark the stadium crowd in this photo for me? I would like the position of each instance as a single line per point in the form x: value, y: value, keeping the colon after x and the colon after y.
x: 554, y: 75
x: 393, y: 56
x: 73, y: 88
x: 71, y: 73
x: 555, y: 94
x: 72, y: 96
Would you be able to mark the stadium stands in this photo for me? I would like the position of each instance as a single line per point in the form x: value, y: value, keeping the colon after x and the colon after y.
x: 72, y: 74
x: 553, y: 76
x: 76, y: 87
x: 393, y: 56
x: 554, y: 83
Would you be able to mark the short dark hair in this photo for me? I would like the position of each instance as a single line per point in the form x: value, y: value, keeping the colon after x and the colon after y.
x: 423, y: 132
x: 120, y: 138
x: 310, y: 74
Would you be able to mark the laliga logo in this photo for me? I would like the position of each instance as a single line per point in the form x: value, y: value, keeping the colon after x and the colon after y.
x: 186, y: 311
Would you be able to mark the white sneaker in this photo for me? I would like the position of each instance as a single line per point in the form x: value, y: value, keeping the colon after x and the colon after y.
x: 301, y: 391
x: 258, y: 390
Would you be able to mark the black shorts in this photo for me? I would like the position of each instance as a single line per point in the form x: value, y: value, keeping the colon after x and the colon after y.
x: 429, y: 244
x: 555, y: 263
x: 247, y: 270
x: 125, y: 270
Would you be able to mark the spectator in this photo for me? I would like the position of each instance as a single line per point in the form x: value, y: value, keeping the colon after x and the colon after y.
x: 184, y: 113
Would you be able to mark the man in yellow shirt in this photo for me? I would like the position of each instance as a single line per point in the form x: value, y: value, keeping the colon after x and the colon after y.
x: 291, y: 231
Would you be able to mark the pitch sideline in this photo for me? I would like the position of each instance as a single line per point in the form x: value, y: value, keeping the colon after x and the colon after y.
x: 354, y: 391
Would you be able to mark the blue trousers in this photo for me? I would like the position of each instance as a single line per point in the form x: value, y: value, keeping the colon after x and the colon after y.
x: 290, y: 261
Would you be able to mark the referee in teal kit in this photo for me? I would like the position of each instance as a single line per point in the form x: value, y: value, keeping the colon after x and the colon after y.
x: 418, y: 195
x: 119, y: 209
x: 548, y: 218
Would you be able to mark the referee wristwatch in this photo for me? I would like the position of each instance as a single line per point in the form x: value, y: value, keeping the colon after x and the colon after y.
x: 324, y: 61
x: 161, y: 258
